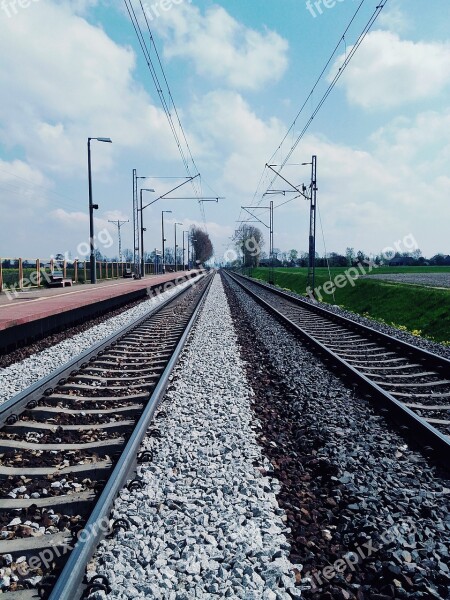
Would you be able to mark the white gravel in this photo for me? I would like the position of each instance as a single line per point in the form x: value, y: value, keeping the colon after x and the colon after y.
x: 19, y: 376
x: 207, y: 523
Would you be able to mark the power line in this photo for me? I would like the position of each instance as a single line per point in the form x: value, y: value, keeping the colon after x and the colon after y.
x: 334, y: 81
x: 166, y: 102
x: 338, y: 75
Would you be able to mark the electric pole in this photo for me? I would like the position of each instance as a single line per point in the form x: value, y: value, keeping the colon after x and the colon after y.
x: 119, y: 225
x: 312, y: 225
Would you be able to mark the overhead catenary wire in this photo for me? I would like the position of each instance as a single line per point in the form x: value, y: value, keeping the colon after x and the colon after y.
x: 166, y: 98
x: 326, y: 253
x: 337, y: 76
x: 347, y: 58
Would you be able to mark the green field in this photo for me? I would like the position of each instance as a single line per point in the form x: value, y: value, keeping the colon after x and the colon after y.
x: 422, y: 310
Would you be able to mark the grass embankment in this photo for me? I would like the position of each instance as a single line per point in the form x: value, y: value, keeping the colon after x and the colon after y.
x: 422, y: 310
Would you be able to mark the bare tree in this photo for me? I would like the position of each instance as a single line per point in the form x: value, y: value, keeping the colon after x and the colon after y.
x: 127, y: 255
x: 249, y: 240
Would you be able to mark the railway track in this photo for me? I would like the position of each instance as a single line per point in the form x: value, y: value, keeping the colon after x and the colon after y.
x: 409, y: 383
x: 69, y: 443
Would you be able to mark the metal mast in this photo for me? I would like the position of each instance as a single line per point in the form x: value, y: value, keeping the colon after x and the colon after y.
x: 119, y: 224
x: 135, y: 224
x: 312, y: 226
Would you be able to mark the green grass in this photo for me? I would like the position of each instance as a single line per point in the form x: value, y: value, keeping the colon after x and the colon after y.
x: 422, y: 310
x: 11, y: 276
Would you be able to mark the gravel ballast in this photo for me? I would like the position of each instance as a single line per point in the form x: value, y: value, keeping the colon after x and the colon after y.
x: 351, y: 486
x: 20, y: 375
x: 405, y: 336
x: 206, y: 523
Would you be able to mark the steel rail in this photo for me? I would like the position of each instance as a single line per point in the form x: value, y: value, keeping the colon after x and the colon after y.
x: 419, y: 429
x: 68, y: 586
x: 19, y: 403
x: 426, y: 357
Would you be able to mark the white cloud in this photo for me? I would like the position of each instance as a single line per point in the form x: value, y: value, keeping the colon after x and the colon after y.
x: 387, y: 71
x: 23, y: 189
x: 221, y: 48
x: 394, y: 19
x: 72, y: 84
x: 235, y: 138
x: 421, y: 142
x: 23, y: 204
x: 370, y: 199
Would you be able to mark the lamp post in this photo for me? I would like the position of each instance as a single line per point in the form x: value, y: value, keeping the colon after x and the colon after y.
x: 92, y: 207
x: 163, y: 239
x: 136, y: 224
x: 188, y: 249
x: 175, y: 225
x: 184, y: 259
x: 142, y: 231
x: 193, y: 250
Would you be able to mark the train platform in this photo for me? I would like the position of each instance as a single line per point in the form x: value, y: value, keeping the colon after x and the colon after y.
x: 30, y: 315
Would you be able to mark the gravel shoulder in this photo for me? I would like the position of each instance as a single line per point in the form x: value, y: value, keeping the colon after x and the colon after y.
x: 206, y: 523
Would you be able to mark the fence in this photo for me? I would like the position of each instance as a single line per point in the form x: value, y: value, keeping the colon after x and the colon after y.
x: 23, y: 273
x: 20, y: 273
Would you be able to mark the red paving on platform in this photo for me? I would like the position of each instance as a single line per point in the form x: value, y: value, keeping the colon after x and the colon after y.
x: 38, y: 304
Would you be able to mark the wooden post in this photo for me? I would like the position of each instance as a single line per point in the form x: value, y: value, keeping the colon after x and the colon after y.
x: 75, y: 266
x: 85, y: 272
x: 20, y: 274
x: 1, y: 274
x: 38, y: 272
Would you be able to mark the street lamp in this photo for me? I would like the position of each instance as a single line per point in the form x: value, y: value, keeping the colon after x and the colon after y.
x: 184, y: 259
x: 176, y: 244
x: 93, y: 207
x: 193, y: 250
x: 163, y: 239
x: 142, y: 231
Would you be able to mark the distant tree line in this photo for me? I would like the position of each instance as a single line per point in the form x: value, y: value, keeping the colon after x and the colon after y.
x: 249, y: 243
x: 351, y: 258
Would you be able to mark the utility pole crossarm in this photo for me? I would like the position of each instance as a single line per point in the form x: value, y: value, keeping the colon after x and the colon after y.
x: 201, y: 199
x: 175, y: 188
x: 288, y: 182
x: 254, y: 216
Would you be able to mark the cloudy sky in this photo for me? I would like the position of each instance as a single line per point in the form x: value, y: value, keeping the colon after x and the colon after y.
x: 239, y: 72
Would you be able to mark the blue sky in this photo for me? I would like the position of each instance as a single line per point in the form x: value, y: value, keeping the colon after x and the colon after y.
x: 239, y: 72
